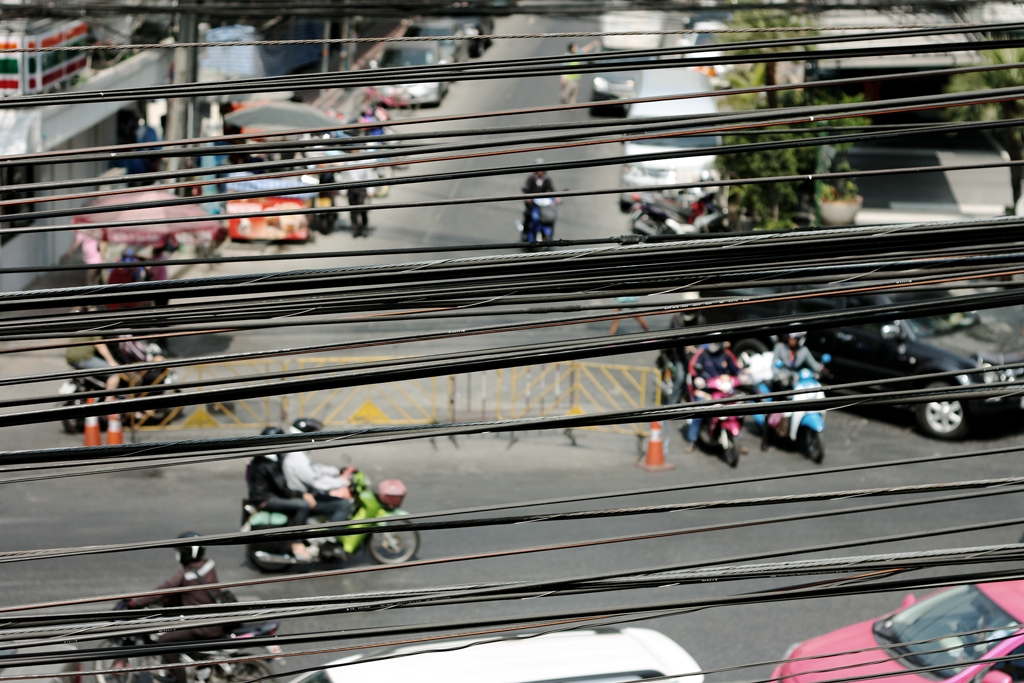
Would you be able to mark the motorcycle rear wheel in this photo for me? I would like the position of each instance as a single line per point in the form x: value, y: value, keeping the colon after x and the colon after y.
x: 248, y: 671
x: 261, y: 564
x: 809, y: 443
x: 393, y: 547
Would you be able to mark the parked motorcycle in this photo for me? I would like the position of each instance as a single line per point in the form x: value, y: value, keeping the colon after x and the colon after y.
x: 723, y: 432
x: 388, y: 546
x: 162, y: 382
x: 800, y: 429
x: 218, y: 671
x: 655, y: 214
x: 540, y: 225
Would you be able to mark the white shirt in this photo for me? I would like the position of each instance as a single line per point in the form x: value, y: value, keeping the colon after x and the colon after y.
x: 302, y: 474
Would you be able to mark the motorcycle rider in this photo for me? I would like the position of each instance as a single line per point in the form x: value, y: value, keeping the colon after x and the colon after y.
x: 538, y: 182
x: 710, y: 361
x: 95, y: 355
x: 357, y: 196
x: 328, y: 485
x: 269, y: 491
x: 788, y: 358
x: 195, y: 570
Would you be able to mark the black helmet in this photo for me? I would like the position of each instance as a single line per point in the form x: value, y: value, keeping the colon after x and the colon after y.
x: 188, y: 554
x: 307, y: 424
x: 272, y: 431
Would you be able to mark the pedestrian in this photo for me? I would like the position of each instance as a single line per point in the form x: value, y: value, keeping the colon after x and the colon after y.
x: 93, y: 253
x: 357, y: 195
x: 571, y: 81
x: 638, y: 318
x: 158, y: 271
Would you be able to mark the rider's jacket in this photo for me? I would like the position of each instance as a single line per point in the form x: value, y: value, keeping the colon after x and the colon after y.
x: 266, y: 480
x: 196, y: 573
x: 802, y: 358
x: 535, y: 185
x: 706, y: 365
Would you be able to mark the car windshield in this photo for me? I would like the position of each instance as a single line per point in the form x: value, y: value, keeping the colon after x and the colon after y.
x: 936, y: 325
x: 958, y: 626
x: 393, y: 58
x: 684, y: 142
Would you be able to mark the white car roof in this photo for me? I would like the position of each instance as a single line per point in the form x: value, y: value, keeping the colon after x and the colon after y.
x: 587, y: 656
x: 664, y: 82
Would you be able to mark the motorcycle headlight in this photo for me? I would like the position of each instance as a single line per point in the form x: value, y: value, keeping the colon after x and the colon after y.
x: 600, y: 84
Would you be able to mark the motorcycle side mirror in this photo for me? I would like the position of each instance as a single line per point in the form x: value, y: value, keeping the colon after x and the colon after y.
x: 908, y: 600
x: 892, y: 331
x: 826, y: 358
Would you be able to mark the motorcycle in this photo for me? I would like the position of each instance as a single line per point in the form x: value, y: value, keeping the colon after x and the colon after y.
x: 723, y: 431
x: 152, y: 383
x: 540, y: 226
x: 655, y: 214
x: 801, y: 428
x: 217, y: 671
x: 388, y: 546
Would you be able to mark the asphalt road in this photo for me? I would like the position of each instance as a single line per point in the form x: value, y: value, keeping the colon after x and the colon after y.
x: 488, y: 469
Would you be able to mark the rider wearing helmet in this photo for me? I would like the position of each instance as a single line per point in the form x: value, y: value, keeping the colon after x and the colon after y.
x: 791, y: 355
x: 327, y: 485
x: 268, y: 490
x: 195, y: 570
x: 710, y: 361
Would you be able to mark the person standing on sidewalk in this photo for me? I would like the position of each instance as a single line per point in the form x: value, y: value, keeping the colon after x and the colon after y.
x: 93, y: 253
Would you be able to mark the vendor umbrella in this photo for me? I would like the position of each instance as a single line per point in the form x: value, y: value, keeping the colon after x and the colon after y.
x: 157, y: 230
x: 280, y: 116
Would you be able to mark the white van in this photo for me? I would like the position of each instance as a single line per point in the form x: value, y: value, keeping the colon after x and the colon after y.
x: 670, y: 171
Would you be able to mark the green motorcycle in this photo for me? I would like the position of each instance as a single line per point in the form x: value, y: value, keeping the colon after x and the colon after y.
x: 386, y: 546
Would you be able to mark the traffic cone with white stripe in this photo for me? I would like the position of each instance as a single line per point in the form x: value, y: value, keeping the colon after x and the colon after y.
x: 115, y: 435
x: 655, y: 459
x: 92, y: 428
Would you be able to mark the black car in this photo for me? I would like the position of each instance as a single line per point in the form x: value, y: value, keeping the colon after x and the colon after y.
x: 899, y: 348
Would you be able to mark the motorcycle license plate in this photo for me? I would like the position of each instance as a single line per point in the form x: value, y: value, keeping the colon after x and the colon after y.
x: 274, y: 649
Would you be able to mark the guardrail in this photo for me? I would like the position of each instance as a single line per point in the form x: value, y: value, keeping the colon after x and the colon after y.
x: 551, y: 389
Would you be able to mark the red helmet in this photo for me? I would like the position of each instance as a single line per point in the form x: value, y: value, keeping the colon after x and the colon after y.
x: 391, y: 493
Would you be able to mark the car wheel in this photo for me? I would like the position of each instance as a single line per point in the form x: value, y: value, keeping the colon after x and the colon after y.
x: 942, y: 419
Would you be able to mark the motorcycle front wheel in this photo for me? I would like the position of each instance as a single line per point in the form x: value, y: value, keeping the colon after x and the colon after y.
x: 393, y: 547
x: 732, y: 453
x: 809, y: 443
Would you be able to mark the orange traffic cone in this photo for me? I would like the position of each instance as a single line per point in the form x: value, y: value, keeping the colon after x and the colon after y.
x: 92, y: 428
x: 655, y: 460
x: 115, y: 435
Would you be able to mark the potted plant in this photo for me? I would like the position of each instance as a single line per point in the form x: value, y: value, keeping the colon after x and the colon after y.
x: 840, y: 203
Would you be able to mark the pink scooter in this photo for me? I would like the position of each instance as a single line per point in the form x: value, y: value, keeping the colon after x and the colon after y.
x: 723, y: 431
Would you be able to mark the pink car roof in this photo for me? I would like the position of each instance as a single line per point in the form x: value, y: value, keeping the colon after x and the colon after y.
x: 1007, y: 594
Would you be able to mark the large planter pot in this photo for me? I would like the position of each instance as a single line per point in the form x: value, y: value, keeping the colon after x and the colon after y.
x: 840, y: 213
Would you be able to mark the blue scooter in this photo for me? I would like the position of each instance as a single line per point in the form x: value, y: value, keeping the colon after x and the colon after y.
x: 540, y: 224
x: 802, y: 428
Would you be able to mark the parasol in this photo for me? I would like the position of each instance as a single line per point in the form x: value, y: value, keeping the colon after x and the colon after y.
x: 280, y: 116
x: 157, y: 230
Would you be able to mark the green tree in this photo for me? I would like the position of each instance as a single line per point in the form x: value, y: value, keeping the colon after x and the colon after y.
x: 1010, y: 138
x: 769, y: 22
